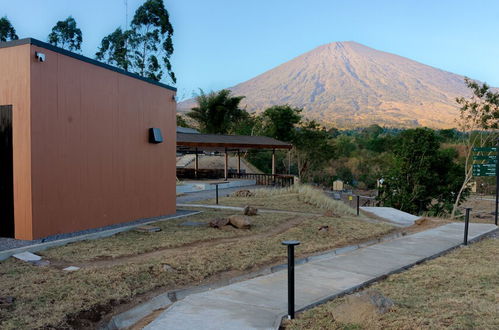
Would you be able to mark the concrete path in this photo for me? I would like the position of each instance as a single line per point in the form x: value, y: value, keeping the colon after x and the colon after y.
x: 260, y: 303
x: 393, y: 215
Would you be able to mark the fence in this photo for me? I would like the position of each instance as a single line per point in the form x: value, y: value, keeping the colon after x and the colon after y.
x: 278, y: 180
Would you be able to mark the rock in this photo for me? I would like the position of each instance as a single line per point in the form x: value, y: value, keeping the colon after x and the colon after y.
x: 6, y: 301
x: 168, y: 268
x: 324, y: 228
x: 243, y: 193
x: 240, y: 221
x: 362, y: 308
x: 71, y: 268
x: 41, y: 263
x: 250, y: 210
x: 219, y: 222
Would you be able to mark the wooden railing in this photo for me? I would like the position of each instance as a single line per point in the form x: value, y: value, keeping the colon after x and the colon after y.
x: 278, y: 180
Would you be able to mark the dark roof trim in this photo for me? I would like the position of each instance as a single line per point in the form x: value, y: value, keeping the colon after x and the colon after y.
x: 229, y: 141
x: 53, y: 48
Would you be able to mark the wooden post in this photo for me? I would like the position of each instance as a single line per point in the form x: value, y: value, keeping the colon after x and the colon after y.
x: 273, y: 161
x: 238, y: 163
x: 289, y: 161
x: 226, y: 165
x: 196, y: 165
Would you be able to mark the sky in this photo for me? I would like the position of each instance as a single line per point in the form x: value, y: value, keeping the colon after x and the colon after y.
x: 220, y: 43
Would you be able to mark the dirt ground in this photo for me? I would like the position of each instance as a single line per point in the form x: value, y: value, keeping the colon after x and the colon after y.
x: 483, y: 208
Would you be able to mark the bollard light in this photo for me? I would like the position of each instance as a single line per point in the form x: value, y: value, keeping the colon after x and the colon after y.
x: 291, y: 277
x: 466, y: 225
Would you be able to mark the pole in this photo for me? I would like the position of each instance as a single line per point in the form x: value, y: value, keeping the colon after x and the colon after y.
x: 358, y: 204
x: 466, y: 225
x: 216, y: 189
x: 291, y: 277
x: 497, y: 179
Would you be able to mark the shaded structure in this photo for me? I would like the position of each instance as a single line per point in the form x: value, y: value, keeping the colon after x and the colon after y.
x: 198, y: 143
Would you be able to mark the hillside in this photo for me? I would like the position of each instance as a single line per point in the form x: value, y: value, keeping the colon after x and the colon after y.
x: 346, y: 84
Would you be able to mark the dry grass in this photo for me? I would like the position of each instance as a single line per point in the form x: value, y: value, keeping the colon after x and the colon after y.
x: 298, y: 198
x: 457, y: 291
x: 47, y: 296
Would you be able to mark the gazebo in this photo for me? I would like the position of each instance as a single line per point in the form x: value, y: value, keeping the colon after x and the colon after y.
x: 198, y: 143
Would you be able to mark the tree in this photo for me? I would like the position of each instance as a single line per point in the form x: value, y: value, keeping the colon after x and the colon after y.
x: 479, y: 114
x: 114, y: 49
x: 7, y: 31
x: 145, y: 48
x: 67, y: 35
x: 151, y: 41
x: 181, y: 122
x: 311, y: 148
x: 279, y: 122
x: 422, y: 177
x: 217, y: 113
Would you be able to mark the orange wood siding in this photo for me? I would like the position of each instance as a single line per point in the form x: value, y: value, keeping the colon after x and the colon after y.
x: 92, y: 164
x: 14, y: 90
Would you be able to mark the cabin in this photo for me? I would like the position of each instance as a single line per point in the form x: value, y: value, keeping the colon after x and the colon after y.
x: 83, y: 144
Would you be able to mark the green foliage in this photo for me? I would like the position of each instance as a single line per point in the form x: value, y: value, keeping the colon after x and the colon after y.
x: 7, y: 31
x: 181, y: 122
x: 146, y: 47
x: 151, y: 41
x: 67, y: 35
x: 421, y: 177
x: 114, y: 49
x: 481, y: 111
x: 279, y: 122
x: 311, y: 148
x: 217, y: 113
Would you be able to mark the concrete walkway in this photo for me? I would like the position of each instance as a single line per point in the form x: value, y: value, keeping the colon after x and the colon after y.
x: 398, y: 217
x: 260, y: 303
x: 209, y: 194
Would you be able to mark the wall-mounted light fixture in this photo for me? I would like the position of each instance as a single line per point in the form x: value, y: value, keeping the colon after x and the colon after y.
x: 40, y: 56
x: 174, y: 98
x: 155, y: 135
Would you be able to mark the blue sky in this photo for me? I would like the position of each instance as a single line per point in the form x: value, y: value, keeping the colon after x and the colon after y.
x: 219, y: 43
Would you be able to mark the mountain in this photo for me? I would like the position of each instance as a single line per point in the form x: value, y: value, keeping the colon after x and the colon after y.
x: 346, y: 84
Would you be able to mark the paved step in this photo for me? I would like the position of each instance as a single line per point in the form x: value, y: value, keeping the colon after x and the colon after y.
x: 260, y: 303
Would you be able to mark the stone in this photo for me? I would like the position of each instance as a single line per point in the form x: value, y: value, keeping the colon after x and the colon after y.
x: 27, y: 256
x: 219, y: 222
x: 147, y: 229
x: 71, y: 268
x: 243, y: 193
x: 168, y: 268
x: 250, y: 210
x: 324, y: 228
x: 240, y: 221
x: 6, y: 301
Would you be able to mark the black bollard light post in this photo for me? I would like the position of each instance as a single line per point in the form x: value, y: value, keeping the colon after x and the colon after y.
x: 358, y: 204
x: 216, y: 188
x: 291, y: 277
x: 466, y: 225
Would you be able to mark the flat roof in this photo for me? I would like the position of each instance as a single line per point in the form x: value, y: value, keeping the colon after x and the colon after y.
x: 65, y: 52
x: 191, y: 141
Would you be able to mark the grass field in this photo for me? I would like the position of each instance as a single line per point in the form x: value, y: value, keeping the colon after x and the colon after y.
x: 457, y: 291
x: 116, y: 271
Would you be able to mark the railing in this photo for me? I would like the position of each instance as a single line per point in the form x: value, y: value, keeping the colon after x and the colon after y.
x: 278, y: 180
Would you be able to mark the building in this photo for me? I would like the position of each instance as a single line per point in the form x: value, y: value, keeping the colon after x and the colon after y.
x: 82, y: 144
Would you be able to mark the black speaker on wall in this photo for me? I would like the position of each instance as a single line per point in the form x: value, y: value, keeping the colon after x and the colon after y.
x: 155, y: 135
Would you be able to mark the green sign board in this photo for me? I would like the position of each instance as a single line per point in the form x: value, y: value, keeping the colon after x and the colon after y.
x: 484, y: 169
x: 485, y: 149
x: 485, y: 157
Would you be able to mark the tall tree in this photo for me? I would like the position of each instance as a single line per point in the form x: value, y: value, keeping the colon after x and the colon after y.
x: 152, y: 41
x: 422, y: 177
x: 479, y: 116
x: 114, y: 49
x: 7, y: 31
x: 217, y: 113
x: 67, y: 35
x: 279, y: 122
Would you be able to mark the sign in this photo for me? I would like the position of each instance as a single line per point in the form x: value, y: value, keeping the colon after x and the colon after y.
x: 485, y: 157
x: 484, y: 169
x: 485, y: 149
